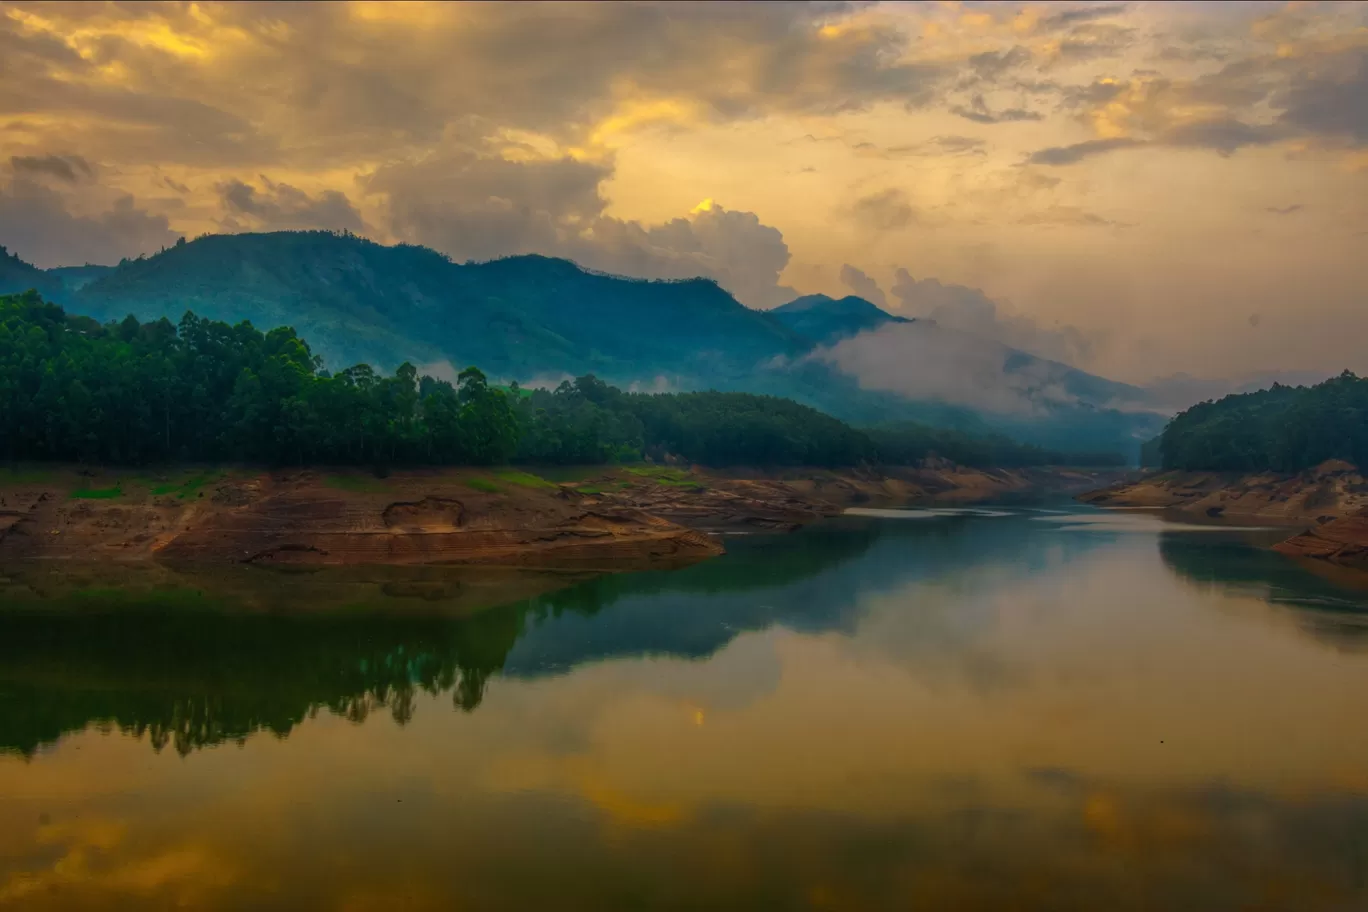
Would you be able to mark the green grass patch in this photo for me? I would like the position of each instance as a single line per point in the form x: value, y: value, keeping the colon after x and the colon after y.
x: 187, y: 487
x: 98, y: 493
x: 13, y: 476
x: 357, y: 484
x: 523, y: 479
x: 589, y: 489
x: 570, y: 474
x: 483, y: 484
x: 666, y: 475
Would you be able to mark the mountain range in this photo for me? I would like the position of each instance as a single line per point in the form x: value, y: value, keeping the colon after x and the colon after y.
x: 538, y: 320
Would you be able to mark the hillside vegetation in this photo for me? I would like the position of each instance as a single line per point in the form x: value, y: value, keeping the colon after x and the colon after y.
x: 539, y: 319
x: 1280, y: 429
x: 73, y: 389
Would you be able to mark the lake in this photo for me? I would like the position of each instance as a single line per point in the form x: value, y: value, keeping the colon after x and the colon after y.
x: 1016, y: 708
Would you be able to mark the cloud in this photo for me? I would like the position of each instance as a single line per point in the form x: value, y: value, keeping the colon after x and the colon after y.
x: 884, y: 210
x: 989, y: 65
x: 969, y: 310
x: 1224, y: 136
x: 744, y: 255
x: 1179, y: 391
x: 927, y: 361
x: 36, y: 225
x: 1069, y: 215
x: 863, y: 286
x: 1068, y: 155
x: 954, y: 145
x: 279, y: 207
x: 1095, y: 40
x: 69, y: 168
x: 476, y: 207
x: 1332, y: 101
x: 977, y: 111
x: 1075, y: 15
x: 250, y: 84
x: 170, y: 184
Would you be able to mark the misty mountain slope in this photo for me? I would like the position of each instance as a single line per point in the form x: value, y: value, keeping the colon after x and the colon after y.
x: 534, y: 318
x: 519, y: 317
x: 1034, y: 399
x: 825, y: 320
x: 16, y: 276
x: 74, y: 278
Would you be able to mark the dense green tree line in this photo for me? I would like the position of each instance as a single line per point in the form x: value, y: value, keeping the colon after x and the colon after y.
x: 1280, y: 429
x: 130, y: 392
x: 72, y: 389
x: 588, y: 421
x: 907, y: 443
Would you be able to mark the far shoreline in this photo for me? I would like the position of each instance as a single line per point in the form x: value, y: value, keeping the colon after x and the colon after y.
x: 577, y: 517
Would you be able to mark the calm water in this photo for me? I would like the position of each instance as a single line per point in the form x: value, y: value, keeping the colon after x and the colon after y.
x: 994, y: 709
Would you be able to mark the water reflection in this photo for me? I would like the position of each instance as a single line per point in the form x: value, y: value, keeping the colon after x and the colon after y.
x: 1331, y: 606
x: 196, y: 660
x: 966, y: 711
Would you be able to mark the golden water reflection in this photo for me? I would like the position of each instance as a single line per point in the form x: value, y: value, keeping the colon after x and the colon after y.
x: 969, y: 713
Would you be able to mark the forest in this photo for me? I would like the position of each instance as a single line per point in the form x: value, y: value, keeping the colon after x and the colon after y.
x: 75, y: 390
x: 1280, y: 429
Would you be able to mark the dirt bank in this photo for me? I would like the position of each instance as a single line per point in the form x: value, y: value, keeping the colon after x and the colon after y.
x: 1331, y: 501
x: 1341, y: 541
x: 315, y: 517
x: 603, y: 518
x: 1328, y: 492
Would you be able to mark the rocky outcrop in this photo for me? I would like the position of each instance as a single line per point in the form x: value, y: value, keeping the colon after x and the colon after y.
x: 304, y: 518
x: 721, y: 505
x: 1341, y: 541
x: 1331, y: 499
x: 1330, y: 491
x: 618, y: 518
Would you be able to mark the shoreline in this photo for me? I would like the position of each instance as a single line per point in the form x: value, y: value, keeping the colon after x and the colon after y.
x: 1329, y: 503
x: 600, y: 518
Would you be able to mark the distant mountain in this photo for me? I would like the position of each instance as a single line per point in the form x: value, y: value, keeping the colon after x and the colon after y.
x: 824, y: 319
x: 74, y: 278
x: 17, y: 276
x: 1179, y: 391
x: 517, y: 318
x: 538, y: 319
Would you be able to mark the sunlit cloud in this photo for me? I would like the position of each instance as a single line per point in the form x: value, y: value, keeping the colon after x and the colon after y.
x: 1051, y: 154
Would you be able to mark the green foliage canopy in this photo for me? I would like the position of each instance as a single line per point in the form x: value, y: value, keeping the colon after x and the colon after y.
x: 1280, y: 429
x: 72, y: 389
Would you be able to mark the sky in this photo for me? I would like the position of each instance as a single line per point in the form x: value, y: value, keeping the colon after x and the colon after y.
x: 1140, y: 189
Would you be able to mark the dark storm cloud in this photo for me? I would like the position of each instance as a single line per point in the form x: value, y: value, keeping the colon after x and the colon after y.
x: 479, y: 207
x: 1223, y: 136
x: 36, y: 225
x: 977, y: 111
x: 1068, y: 155
x: 884, y: 210
x: 68, y: 168
x: 991, y: 64
x: 275, y: 207
x: 1069, y: 17
x: 1334, y: 101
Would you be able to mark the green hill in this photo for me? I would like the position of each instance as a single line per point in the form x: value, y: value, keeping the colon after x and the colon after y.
x: 17, y: 276
x: 538, y: 319
x: 1280, y: 429
x: 519, y: 317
